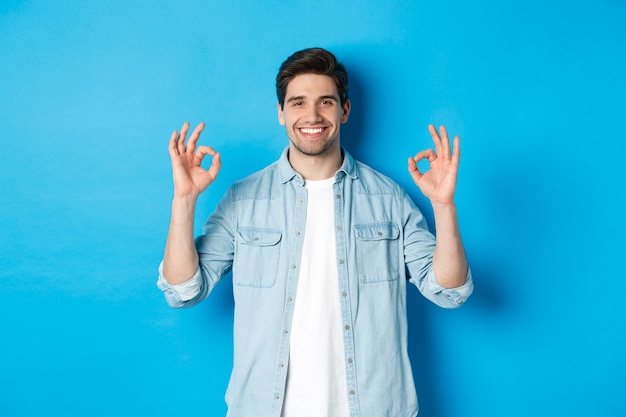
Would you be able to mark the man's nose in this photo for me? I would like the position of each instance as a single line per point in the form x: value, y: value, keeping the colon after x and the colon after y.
x: 313, y: 114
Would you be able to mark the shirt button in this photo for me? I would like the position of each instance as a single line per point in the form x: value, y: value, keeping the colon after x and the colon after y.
x: 281, y: 365
x: 293, y: 266
x: 344, y: 294
x: 351, y: 392
x: 285, y: 331
x: 289, y: 299
x: 380, y: 233
x: 338, y: 196
x: 347, y: 327
x: 338, y: 227
x: 340, y: 261
x: 276, y: 397
x: 297, y: 233
x: 349, y: 360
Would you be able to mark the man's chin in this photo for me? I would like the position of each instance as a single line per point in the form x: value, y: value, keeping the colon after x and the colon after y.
x: 313, y: 151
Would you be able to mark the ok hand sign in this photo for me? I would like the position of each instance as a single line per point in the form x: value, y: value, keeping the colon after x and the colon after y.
x: 190, y: 179
x: 439, y: 182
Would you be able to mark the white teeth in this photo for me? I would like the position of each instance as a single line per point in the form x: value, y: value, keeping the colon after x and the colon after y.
x: 311, y: 131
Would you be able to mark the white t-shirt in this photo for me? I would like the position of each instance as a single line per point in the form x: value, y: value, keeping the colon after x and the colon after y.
x: 316, y: 377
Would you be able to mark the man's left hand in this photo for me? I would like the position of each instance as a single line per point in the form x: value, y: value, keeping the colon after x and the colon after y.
x: 439, y: 182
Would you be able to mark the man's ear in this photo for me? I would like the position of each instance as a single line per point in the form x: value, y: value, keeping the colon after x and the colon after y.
x: 346, y: 111
x: 281, y: 118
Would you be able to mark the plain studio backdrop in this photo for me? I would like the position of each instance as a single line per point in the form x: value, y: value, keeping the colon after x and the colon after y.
x: 91, y: 91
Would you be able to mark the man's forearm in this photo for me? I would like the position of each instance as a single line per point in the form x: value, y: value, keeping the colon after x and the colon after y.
x: 180, y: 261
x: 449, y: 261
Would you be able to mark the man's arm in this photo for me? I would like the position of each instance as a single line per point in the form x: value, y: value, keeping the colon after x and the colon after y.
x: 439, y: 184
x: 180, y: 260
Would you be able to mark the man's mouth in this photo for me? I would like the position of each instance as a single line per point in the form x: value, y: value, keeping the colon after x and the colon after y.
x: 311, y: 131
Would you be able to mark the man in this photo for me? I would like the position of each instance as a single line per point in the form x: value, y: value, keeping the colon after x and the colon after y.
x: 321, y: 248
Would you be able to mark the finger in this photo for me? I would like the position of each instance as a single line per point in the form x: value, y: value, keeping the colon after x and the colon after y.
x: 414, y: 170
x: 436, y: 139
x: 456, y: 156
x: 444, y: 150
x: 193, y: 139
x: 428, y: 154
x: 181, y: 138
x: 216, y: 165
x: 204, y: 150
x: 172, y: 145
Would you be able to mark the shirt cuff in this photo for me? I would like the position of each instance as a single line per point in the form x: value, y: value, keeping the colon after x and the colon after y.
x: 456, y: 295
x: 184, y: 291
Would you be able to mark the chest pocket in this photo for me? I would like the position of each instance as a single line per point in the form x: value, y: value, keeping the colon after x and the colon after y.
x: 257, y: 256
x: 377, y: 246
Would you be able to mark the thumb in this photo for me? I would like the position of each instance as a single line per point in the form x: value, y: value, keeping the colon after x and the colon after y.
x: 414, y: 170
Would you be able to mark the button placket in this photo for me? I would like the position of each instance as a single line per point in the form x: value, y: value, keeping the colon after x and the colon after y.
x: 344, y: 289
x: 290, y: 294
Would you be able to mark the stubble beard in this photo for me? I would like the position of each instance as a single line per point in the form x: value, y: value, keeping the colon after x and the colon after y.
x: 313, y: 149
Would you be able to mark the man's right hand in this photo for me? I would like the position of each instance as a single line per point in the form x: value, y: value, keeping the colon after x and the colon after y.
x: 190, y: 179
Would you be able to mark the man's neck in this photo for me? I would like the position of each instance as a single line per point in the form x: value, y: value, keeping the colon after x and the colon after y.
x: 318, y: 167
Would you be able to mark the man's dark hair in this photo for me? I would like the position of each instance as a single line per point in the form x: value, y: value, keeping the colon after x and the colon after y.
x: 312, y: 61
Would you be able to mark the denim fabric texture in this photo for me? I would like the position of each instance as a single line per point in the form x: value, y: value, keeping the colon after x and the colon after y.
x: 382, y: 242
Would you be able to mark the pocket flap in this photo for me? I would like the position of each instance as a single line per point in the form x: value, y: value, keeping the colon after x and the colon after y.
x: 377, y: 231
x: 258, y: 237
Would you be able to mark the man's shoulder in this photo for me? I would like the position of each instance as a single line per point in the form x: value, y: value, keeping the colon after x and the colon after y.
x: 259, y: 184
x: 372, y: 181
x: 259, y: 175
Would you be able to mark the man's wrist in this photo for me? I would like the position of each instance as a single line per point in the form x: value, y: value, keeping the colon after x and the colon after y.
x: 443, y: 207
x: 183, y: 208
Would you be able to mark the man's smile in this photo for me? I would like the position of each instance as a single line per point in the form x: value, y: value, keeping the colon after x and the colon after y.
x: 311, y: 131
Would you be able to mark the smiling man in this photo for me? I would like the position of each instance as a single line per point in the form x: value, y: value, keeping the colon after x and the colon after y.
x: 312, y: 114
x: 321, y: 248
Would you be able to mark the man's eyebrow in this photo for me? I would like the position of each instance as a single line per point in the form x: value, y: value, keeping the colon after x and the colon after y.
x: 324, y: 97
x: 295, y: 98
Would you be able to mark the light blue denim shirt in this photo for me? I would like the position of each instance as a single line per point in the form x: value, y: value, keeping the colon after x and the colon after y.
x: 382, y: 242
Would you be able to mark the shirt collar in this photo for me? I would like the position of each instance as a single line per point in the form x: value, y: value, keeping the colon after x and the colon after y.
x: 287, y: 173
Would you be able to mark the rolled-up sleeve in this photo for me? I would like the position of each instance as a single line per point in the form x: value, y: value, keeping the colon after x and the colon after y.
x: 180, y: 295
x: 215, y: 252
x: 419, y: 246
x: 448, y: 297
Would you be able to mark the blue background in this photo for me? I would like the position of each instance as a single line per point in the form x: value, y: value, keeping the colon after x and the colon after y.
x: 90, y: 92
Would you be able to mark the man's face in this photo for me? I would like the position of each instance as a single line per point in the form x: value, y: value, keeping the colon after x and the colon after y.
x: 312, y: 114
